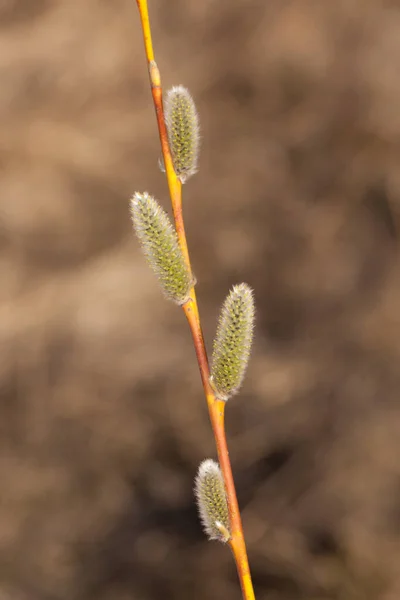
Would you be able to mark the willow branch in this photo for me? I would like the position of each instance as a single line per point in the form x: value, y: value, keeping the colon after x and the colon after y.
x: 216, y: 407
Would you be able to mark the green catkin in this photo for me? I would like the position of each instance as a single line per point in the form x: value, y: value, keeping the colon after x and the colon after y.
x: 232, y: 342
x: 211, y: 501
x: 182, y: 124
x: 160, y: 246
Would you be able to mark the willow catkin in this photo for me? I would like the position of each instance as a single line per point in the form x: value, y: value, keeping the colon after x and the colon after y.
x: 232, y: 343
x: 160, y: 246
x: 183, y: 130
x: 211, y: 501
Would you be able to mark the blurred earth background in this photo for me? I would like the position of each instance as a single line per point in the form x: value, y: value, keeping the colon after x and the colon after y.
x: 102, y: 418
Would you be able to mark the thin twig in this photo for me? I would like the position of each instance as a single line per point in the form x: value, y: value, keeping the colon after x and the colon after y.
x: 216, y: 407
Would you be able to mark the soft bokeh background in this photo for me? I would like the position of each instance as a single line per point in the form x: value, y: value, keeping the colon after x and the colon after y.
x: 102, y: 418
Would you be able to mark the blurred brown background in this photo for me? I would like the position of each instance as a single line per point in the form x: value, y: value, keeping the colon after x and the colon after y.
x: 102, y: 418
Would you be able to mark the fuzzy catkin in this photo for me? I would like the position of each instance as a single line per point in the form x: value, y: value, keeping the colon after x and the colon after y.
x: 211, y: 501
x: 183, y: 130
x: 232, y: 342
x: 160, y: 245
